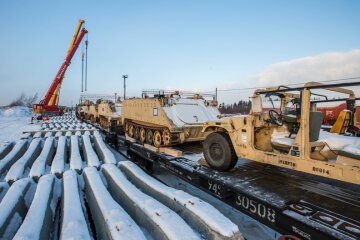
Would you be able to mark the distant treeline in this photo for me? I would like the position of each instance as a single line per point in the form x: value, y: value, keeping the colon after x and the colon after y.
x: 241, y: 107
x: 24, y: 100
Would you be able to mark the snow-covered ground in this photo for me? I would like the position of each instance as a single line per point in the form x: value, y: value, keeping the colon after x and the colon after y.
x: 14, y: 121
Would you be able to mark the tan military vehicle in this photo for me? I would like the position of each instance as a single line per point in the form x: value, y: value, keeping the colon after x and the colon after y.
x: 167, y: 118
x: 80, y: 110
x: 83, y: 108
x: 109, y: 114
x: 288, y: 135
x: 92, y: 113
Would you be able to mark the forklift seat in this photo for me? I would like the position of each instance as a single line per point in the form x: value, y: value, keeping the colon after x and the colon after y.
x: 284, y: 144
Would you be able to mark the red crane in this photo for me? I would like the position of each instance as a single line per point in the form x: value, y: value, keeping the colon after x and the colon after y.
x: 48, y: 106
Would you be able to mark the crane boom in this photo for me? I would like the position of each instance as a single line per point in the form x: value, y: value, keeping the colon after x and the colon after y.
x: 54, y: 87
x: 60, y: 74
x: 54, y: 100
x: 77, y: 30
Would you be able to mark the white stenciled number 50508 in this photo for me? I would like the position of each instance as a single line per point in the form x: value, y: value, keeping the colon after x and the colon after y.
x: 256, y: 208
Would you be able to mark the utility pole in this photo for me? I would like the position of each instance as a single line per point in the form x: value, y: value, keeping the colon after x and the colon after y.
x: 216, y: 94
x: 125, y: 77
x: 86, y: 55
x: 82, y: 72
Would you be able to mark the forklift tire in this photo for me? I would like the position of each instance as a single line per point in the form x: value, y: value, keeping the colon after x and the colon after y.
x: 219, y: 152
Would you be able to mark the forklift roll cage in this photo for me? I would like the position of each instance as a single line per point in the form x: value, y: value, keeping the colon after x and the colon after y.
x: 303, y: 153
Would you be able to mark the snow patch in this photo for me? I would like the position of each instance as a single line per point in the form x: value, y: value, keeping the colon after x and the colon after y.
x: 14, y: 203
x: 204, y: 212
x: 353, y: 149
x: 38, y: 167
x: 73, y: 220
x: 39, y: 218
x: 89, y: 153
x: 189, y: 112
x: 104, y: 152
x: 17, y: 170
x: 14, y: 121
x: 5, y: 148
x: 57, y: 166
x: 76, y: 162
x: 154, y: 213
x: 118, y: 224
x: 17, y: 111
x: 336, y: 141
x: 15, y: 153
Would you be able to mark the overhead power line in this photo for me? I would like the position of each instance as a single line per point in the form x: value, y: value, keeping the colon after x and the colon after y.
x: 291, y: 84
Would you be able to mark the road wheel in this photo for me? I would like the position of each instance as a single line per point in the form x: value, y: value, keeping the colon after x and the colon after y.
x: 149, y: 136
x: 219, y: 152
x: 142, y: 135
x: 166, y: 137
x: 136, y: 133
x: 131, y: 131
x: 157, y: 139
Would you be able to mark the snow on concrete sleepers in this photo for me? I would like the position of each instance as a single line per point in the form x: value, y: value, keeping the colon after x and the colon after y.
x: 159, y: 220
x: 25, y: 136
x: 17, y: 169
x: 112, y: 220
x: 14, y: 206
x: 38, y: 222
x: 37, y: 135
x: 4, y: 186
x: 78, y: 133
x: 5, y: 148
x: 89, y: 153
x: 48, y: 134
x: 17, y: 151
x: 104, y: 152
x: 58, y: 163
x: 45, y: 157
x: 73, y: 221
x: 76, y: 162
x: 201, y: 215
x: 58, y: 134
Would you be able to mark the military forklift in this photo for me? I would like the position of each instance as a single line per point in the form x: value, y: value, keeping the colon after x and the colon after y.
x: 288, y: 133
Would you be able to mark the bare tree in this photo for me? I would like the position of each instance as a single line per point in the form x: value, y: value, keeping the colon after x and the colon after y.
x: 24, y: 100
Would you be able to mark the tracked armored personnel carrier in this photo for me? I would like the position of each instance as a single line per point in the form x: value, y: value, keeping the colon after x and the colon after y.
x: 164, y: 118
x: 92, y: 112
x: 109, y: 114
x: 82, y: 109
x: 288, y: 134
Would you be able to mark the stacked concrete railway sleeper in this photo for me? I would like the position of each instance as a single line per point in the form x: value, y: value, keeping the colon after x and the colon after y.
x: 64, y: 124
x: 71, y: 185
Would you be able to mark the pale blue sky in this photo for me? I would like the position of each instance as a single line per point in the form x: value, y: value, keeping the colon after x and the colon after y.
x: 179, y: 44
